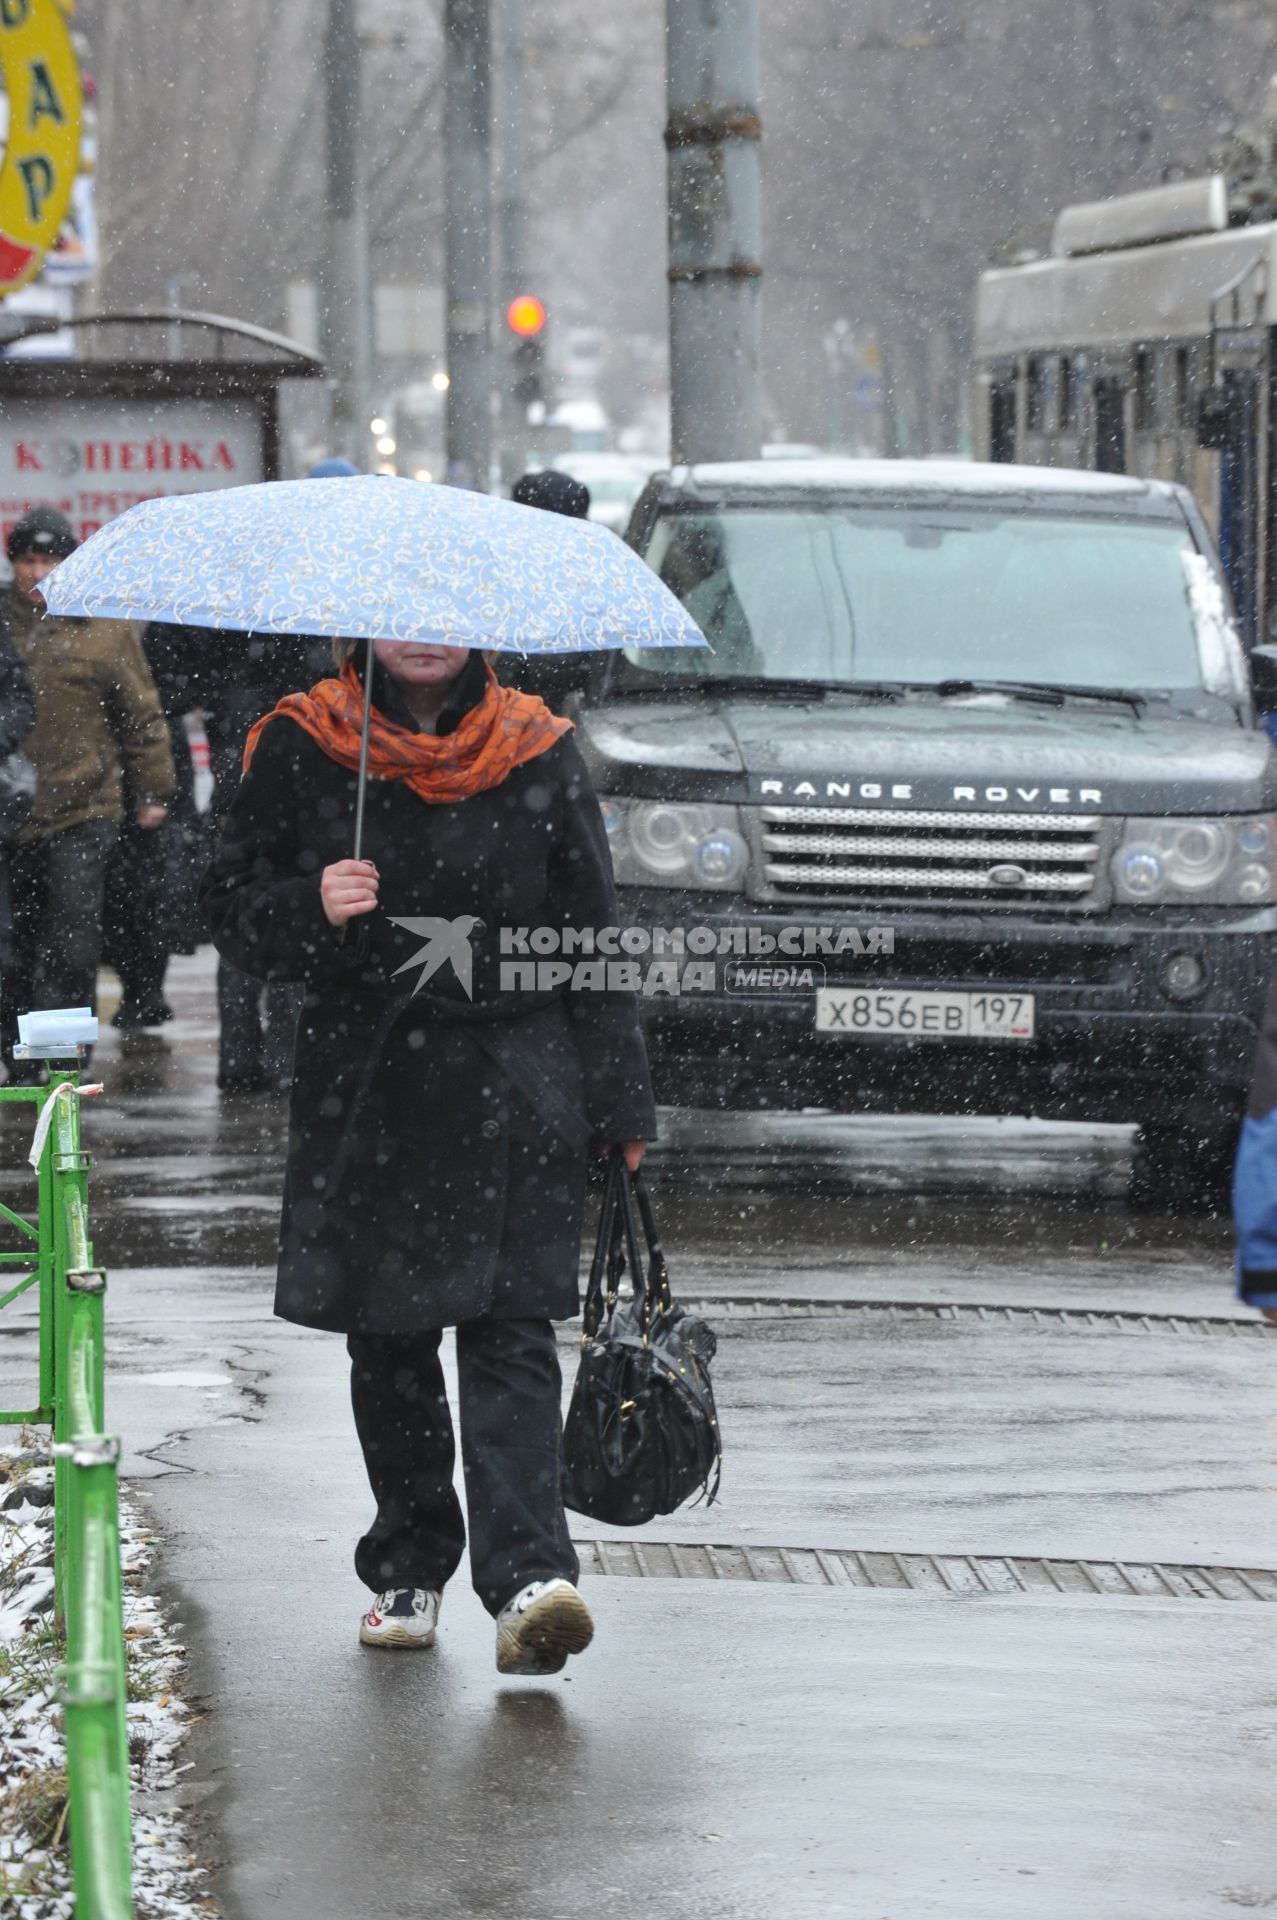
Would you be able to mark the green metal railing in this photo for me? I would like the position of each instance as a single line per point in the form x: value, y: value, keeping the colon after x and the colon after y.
x: 86, y: 1523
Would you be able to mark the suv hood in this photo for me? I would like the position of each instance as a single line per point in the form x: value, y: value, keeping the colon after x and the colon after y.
x: 1023, y: 757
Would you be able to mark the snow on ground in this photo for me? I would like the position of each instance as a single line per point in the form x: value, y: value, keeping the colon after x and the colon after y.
x: 35, y: 1873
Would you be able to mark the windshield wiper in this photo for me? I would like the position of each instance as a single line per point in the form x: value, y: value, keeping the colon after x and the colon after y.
x: 752, y: 683
x: 1053, y: 692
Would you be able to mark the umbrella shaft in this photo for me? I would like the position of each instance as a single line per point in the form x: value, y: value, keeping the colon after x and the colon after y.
x: 362, y: 791
x: 343, y: 938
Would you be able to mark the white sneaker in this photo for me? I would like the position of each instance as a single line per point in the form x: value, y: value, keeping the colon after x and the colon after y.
x: 541, y: 1626
x: 401, y: 1617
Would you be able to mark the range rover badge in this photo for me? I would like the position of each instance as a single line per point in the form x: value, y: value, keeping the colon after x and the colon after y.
x: 1007, y: 876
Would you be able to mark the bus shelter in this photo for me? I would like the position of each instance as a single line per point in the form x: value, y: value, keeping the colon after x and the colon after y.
x: 147, y: 403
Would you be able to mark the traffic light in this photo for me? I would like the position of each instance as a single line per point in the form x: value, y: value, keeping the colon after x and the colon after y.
x: 526, y: 316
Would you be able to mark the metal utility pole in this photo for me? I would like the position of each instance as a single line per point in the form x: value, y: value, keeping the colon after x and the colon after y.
x: 346, y: 328
x: 512, y: 220
x: 713, y: 137
x: 467, y: 191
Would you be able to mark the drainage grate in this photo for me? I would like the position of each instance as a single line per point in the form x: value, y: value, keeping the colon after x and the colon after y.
x: 1073, y: 1319
x: 923, y: 1572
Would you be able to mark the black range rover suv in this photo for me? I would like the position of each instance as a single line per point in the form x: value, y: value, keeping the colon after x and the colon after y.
x: 987, y: 734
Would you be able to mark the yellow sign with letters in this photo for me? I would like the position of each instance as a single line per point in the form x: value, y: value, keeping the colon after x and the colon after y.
x: 42, y: 154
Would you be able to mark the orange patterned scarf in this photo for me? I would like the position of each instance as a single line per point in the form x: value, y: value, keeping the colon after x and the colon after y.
x: 497, y: 734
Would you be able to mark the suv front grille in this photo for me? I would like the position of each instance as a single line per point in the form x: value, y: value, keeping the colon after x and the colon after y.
x: 843, y: 853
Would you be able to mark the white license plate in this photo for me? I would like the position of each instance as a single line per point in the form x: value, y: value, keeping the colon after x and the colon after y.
x: 861, y: 1013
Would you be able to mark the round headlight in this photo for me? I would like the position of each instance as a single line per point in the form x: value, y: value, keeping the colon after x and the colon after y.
x: 1255, y: 882
x: 1140, y: 873
x: 720, y: 858
x: 1254, y: 839
x: 1197, y: 854
x: 658, y: 836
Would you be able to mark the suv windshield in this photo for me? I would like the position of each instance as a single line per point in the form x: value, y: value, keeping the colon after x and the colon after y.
x: 847, y: 595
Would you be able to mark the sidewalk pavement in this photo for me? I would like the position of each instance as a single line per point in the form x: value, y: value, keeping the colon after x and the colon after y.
x: 733, y: 1748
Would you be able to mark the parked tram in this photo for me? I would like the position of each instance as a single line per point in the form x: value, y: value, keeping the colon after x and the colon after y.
x: 1144, y: 343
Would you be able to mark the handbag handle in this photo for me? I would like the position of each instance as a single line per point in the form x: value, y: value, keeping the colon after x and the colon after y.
x: 616, y: 1260
x: 616, y: 1249
x: 592, y: 1315
x: 660, y: 1299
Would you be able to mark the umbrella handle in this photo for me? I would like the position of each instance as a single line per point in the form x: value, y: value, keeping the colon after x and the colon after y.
x: 362, y: 788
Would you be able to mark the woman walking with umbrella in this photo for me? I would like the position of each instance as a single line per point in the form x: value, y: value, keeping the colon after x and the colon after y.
x: 442, y: 1114
x: 440, y: 1125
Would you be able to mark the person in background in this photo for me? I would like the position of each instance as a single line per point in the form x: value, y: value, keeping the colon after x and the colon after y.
x: 1255, y: 1176
x: 242, y: 677
x: 553, y: 492
x: 334, y: 467
x: 551, y: 680
x: 154, y: 873
x: 98, y: 727
x: 17, y: 713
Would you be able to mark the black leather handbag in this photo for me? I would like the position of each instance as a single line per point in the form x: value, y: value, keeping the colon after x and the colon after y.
x: 641, y: 1435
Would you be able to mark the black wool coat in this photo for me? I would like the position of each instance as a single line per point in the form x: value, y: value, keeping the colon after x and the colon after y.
x: 437, y: 1143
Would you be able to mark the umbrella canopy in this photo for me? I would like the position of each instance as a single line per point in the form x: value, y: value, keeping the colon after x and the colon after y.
x: 372, y: 557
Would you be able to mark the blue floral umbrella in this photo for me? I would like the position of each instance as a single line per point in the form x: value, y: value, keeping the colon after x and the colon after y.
x: 372, y: 558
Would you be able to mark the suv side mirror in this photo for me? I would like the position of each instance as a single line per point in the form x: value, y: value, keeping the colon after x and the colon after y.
x: 1263, y: 678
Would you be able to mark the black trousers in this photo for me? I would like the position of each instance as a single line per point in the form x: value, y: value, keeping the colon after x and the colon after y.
x: 134, y: 935
x: 59, y: 887
x: 511, y: 1442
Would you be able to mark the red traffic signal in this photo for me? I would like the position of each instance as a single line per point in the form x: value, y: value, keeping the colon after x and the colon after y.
x: 525, y: 315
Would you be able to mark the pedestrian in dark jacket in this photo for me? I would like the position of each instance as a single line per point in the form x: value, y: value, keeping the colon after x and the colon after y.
x: 243, y: 675
x: 553, y: 678
x: 98, y: 733
x: 153, y: 874
x: 553, y: 492
x: 17, y: 713
x: 441, y: 1116
x: 1255, y: 1176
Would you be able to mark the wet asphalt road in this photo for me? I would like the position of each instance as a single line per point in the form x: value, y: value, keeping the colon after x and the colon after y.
x: 946, y: 1725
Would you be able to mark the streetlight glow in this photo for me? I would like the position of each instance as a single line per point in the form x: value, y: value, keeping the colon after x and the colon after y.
x: 386, y: 444
x: 377, y: 426
x: 440, y: 382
